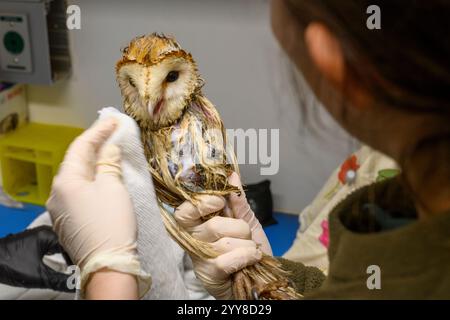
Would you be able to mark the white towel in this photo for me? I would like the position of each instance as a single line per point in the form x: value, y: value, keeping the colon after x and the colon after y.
x: 160, y: 256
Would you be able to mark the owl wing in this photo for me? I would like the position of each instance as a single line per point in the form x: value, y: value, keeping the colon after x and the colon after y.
x: 192, y: 156
x: 216, y: 135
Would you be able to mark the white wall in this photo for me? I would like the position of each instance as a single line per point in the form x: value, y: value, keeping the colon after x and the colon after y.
x: 245, y: 72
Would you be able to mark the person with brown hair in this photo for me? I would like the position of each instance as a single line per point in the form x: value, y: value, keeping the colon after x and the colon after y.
x: 388, y: 87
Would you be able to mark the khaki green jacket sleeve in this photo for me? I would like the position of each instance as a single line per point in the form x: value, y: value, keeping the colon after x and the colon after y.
x: 305, y: 279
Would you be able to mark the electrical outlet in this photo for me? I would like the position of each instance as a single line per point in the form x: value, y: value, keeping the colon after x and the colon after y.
x: 15, y: 49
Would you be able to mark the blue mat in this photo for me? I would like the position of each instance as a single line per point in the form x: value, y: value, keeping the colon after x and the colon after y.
x: 281, y: 235
x: 15, y: 220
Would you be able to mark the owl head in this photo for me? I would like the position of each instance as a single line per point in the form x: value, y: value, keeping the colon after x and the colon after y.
x: 157, y: 79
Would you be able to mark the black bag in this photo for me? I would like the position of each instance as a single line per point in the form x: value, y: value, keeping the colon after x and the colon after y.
x: 259, y: 198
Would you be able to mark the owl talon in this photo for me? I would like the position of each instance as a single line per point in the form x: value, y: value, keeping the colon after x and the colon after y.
x: 255, y: 294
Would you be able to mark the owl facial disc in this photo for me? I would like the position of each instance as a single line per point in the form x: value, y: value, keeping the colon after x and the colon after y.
x: 158, y: 80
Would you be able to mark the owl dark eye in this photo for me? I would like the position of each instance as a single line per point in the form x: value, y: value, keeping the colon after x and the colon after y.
x: 172, y: 76
x: 131, y: 82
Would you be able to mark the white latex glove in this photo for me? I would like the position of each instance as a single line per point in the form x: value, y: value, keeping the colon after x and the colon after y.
x: 91, y: 209
x: 238, y: 237
x: 238, y: 207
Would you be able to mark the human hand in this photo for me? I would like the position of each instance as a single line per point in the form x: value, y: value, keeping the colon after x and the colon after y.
x: 237, y: 237
x: 91, y: 209
x: 21, y: 263
x: 239, y: 208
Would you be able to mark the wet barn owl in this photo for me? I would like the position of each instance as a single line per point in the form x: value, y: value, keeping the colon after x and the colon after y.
x: 185, y: 145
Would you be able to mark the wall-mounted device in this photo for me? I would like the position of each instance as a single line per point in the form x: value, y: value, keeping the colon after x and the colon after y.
x: 34, y: 44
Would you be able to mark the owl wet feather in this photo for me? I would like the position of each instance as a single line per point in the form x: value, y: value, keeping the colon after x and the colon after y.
x: 185, y: 144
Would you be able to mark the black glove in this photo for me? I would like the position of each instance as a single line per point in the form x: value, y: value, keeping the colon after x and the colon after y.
x: 21, y: 263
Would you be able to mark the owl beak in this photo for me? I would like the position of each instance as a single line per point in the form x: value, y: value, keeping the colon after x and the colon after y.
x: 156, y: 107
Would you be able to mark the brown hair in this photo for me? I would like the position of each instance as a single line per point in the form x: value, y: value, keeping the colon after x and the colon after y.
x: 405, y: 64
